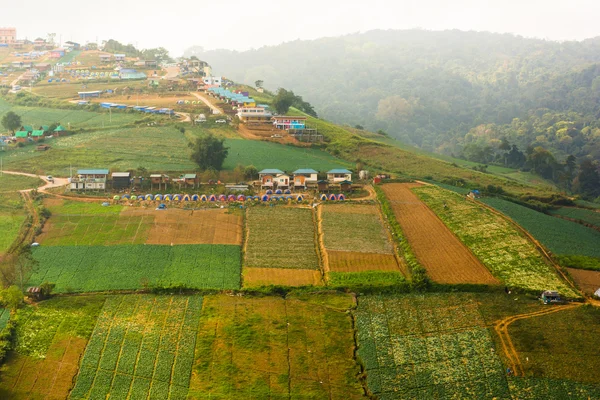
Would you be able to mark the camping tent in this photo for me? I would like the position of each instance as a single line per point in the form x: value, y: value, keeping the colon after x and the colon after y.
x: 287, y: 191
x: 323, y: 197
x: 299, y: 198
x: 231, y: 198
x: 167, y: 197
x: 269, y: 191
x: 186, y: 197
x: 341, y: 197
x: 195, y: 197
x: 241, y: 197
x: 265, y: 197
x: 158, y: 197
x: 212, y: 198
x: 332, y: 197
x: 222, y: 197
x: 278, y: 191
x: 203, y: 198
x: 148, y: 197
x: 597, y: 293
x: 177, y: 197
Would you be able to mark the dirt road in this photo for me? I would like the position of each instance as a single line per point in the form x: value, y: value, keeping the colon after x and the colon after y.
x: 215, y: 110
x: 58, y: 182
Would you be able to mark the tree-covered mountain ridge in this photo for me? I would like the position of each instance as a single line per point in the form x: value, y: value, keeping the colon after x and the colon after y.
x: 452, y: 92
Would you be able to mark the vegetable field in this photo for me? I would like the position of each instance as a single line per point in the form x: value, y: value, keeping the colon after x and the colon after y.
x: 560, y: 236
x: 281, y: 237
x: 543, y: 388
x: 256, y: 277
x: 18, y: 182
x: 142, y: 347
x: 274, y: 348
x: 579, y: 214
x: 443, y: 256
x: 99, y: 268
x: 4, y: 317
x: 50, y: 339
x: 501, y: 247
x: 426, y: 347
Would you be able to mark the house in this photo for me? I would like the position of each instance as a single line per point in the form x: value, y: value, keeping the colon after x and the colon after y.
x: 119, y: 57
x: 57, y: 53
x: 289, y: 122
x: 60, y: 131
x: 21, y: 136
x: 159, y: 179
x: 86, y: 95
x: 42, y: 67
x: 128, y: 74
x: 8, y: 35
x: 212, y: 80
x: 72, y: 45
x: 44, y: 128
x: 551, y: 296
x: 282, y: 181
x: 190, y: 180
x: 37, y: 135
x: 105, y: 58
x: 271, y: 172
x: 27, y: 128
x: 121, y: 180
x: 346, y: 186
x: 304, y: 177
x: 323, y: 186
x: 339, y: 175
x: 89, y: 179
x: 253, y: 114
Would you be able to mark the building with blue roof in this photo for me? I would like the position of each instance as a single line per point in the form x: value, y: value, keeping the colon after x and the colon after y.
x: 305, y: 176
x: 339, y: 175
x: 89, y: 179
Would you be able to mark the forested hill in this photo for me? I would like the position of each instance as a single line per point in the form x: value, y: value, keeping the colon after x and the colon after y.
x: 450, y: 92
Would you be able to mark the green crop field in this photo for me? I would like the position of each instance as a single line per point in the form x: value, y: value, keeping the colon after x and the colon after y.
x: 355, y: 228
x: 274, y: 348
x: 579, y: 214
x: 142, y: 347
x: 560, y: 236
x: 99, y: 268
x: 501, y: 247
x: 4, y: 317
x: 9, y: 183
x: 12, y: 216
x: 49, y: 340
x: 272, y: 155
x: 79, y: 208
x: 281, y: 237
x: 543, y: 388
x: 426, y: 347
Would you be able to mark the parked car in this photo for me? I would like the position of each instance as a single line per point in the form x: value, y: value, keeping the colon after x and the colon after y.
x: 50, y: 179
x: 221, y: 121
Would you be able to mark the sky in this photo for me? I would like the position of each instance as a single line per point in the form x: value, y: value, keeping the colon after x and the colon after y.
x: 242, y: 25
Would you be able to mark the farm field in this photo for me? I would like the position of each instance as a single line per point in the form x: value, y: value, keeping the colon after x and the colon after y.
x: 500, y: 246
x: 272, y: 155
x: 4, y: 317
x: 257, y: 277
x: 428, y: 346
x: 260, y: 348
x: 365, y: 278
x: 12, y: 216
x: 280, y: 237
x: 139, y: 226
x: 142, y: 346
x: 587, y: 281
x: 561, y: 345
x: 543, y: 388
x: 128, y: 267
x: 442, y: 254
x: 11, y: 183
x: 50, y: 339
x: 68, y: 90
x: 560, y: 236
x: 580, y: 214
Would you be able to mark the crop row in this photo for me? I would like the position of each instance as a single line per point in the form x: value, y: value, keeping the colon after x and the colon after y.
x: 580, y: 214
x: 508, y: 254
x: 409, y: 350
x: 142, y: 346
x: 98, y: 268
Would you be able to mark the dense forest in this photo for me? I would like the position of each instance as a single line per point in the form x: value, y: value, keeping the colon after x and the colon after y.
x: 473, y: 95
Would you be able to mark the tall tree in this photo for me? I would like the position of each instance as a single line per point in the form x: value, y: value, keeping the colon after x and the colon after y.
x: 283, y: 100
x: 209, y: 152
x: 11, y: 121
x: 258, y: 83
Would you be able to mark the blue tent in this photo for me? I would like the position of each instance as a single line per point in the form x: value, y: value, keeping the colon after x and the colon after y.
x: 265, y: 197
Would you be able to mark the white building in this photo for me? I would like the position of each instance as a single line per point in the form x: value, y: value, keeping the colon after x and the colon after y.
x: 89, y: 179
x: 302, y: 177
x: 339, y: 175
x: 212, y: 80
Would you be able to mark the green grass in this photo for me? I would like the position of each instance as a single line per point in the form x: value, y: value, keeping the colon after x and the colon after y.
x: 561, y: 345
x: 100, y: 268
x: 365, y: 279
x: 272, y: 155
x: 39, y: 325
x: 280, y: 237
x: 78, y: 208
x: 543, y: 388
x: 10, y: 183
x: 579, y: 214
x: 352, y: 230
x: 4, y: 317
x: 9, y: 226
x: 560, y: 236
x: 501, y: 248
x: 141, y: 346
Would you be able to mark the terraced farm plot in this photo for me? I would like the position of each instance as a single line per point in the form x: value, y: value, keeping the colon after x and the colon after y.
x: 99, y: 268
x: 579, y: 214
x: 50, y: 339
x: 280, y: 237
x: 426, y: 347
x: 498, y: 244
x: 256, y: 277
x: 444, y: 257
x: 350, y: 261
x: 560, y: 345
x: 261, y: 348
x: 142, y: 347
x: 208, y: 226
x: 587, y: 281
x: 560, y: 236
x: 544, y: 388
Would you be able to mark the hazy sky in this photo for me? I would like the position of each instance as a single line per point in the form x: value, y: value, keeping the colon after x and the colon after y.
x: 240, y: 25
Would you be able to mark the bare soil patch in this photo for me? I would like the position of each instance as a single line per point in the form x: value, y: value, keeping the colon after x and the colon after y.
x: 253, y: 277
x: 350, y: 261
x: 444, y: 256
x: 588, y: 281
x: 177, y: 226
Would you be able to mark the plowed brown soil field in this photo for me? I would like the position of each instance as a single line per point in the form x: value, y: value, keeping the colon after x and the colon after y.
x: 176, y: 226
x: 350, y: 261
x: 588, y: 281
x: 254, y: 277
x: 442, y: 254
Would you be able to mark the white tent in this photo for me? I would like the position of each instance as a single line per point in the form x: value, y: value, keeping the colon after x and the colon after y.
x: 597, y: 293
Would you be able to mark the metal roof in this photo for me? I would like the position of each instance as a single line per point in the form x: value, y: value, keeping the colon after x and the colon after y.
x: 92, y: 172
x: 37, y: 133
x: 339, y: 171
x: 306, y: 171
x: 21, y: 134
x: 189, y: 176
x: 121, y: 174
x: 271, y: 171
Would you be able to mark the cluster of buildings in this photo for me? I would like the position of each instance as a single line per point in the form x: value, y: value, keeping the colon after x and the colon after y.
x: 304, y: 179
x: 8, y: 36
x: 29, y: 133
x: 236, y: 98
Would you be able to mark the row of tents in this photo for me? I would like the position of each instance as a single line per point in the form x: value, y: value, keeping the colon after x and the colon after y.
x: 223, y: 198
